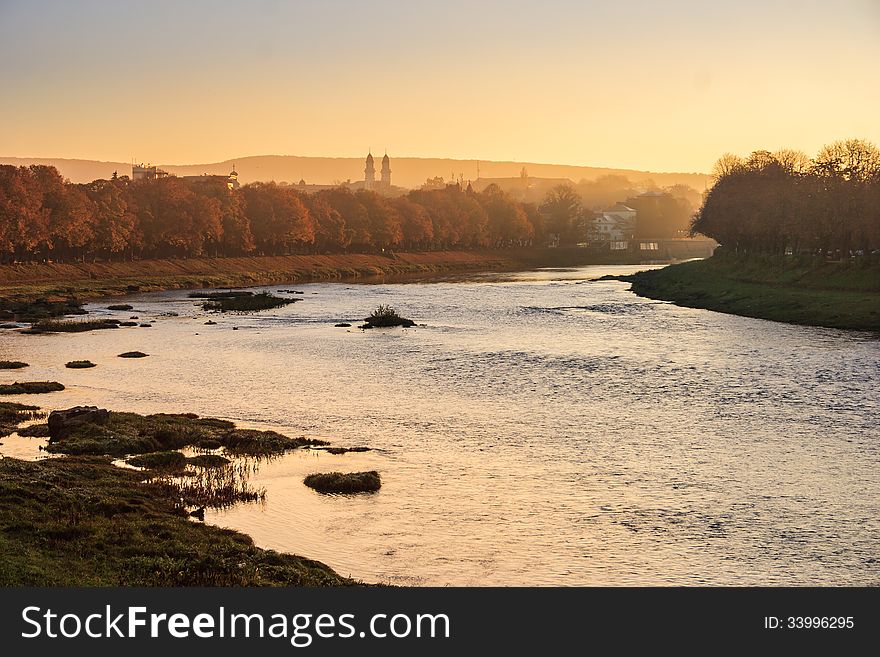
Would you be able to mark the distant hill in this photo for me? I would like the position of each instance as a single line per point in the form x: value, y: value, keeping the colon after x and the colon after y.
x: 406, y: 171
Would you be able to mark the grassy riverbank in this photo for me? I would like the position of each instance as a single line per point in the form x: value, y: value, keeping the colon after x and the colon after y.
x: 80, y: 521
x: 798, y: 291
x: 94, y: 280
x: 90, y: 280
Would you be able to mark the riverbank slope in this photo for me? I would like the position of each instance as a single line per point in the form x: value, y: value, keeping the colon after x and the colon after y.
x: 842, y: 295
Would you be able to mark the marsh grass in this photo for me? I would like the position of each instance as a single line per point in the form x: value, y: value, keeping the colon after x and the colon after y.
x: 208, y: 461
x: 12, y: 414
x: 170, y: 460
x: 12, y: 364
x: 79, y: 364
x: 385, y: 316
x: 217, y: 487
x: 73, y: 325
x: 133, y: 354
x: 344, y: 482
x: 124, y: 434
x: 246, y: 303
x: 121, y: 306
x: 34, y: 310
x: 34, y: 431
x: 345, y: 450
x: 30, y: 387
x: 220, y: 295
x: 80, y: 521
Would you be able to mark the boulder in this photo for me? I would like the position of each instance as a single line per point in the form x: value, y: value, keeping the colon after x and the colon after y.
x: 62, y: 422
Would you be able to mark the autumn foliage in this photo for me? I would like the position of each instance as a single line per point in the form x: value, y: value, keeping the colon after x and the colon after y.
x: 44, y: 217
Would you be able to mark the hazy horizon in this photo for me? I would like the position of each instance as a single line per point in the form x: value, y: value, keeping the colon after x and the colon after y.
x: 624, y: 84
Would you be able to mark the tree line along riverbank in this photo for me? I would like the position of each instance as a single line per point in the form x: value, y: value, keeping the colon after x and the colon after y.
x: 797, y: 290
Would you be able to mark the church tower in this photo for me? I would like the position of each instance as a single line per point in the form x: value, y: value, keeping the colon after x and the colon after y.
x: 386, y: 174
x: 369, y: 173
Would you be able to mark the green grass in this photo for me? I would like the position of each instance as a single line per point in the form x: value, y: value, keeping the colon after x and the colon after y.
x: 30, y: 387
x: 245, y: 302
x: 124, y: 434
x: 80, y: 521
x: 834, y: 295
x: 344, y: 482
x: 208, y: 461
x: 79, y: 364
x: 34, y: 431
x: 159, y: 461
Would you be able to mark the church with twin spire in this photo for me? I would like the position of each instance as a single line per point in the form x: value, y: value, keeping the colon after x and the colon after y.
x: 384, y: 184
x: 370, y: 183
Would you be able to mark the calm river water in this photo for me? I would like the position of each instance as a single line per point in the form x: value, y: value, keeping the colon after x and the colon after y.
x: 539, y: 430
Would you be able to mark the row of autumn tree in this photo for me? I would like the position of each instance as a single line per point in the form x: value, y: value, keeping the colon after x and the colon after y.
x: 44, y: 217
x: 787, y: 202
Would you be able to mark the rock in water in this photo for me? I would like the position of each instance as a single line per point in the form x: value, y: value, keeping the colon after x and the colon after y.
x: 62, y: 422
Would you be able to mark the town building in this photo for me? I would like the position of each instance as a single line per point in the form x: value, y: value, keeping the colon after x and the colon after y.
x: 141, y: 172
x: 148, y: 172
x: 617, y: 224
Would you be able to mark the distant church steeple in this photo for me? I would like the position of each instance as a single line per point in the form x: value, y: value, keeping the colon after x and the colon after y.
x: 369, y: 173
x: 386, y: 174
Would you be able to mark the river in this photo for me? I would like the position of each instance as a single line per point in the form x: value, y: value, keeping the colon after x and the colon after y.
x: 540, y: 429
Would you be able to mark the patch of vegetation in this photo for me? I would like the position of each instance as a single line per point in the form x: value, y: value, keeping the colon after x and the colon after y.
x: 72, y: 325
x: 34, y: 310
x: 30, y: 387
x: 246, y: 303
x: 386, y: 316
x: 170, y: 460
x: 345, y: 450
x: 128, y: 323
x: 122, y: 434
x: 34, y: 431
x: 208, y: 461
x: 133, y: 354
x: 835, y: 295
x: 83, y: 522
x: 220, y: 295
x: 121, y: 306
x: 12, y: 414
x: 257, y: 443
x: 217, y: 487
x: 348, y: 482
x: 342, y: 325
x: 79, y: 364
x: 12, y: 364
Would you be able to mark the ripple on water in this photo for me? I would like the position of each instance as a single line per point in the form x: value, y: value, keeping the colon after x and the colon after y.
x: 531, y: 433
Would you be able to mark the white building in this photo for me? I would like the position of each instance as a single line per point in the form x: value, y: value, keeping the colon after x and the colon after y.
x: 614, y: 225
